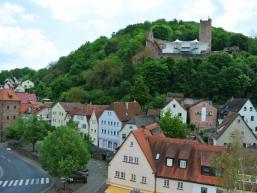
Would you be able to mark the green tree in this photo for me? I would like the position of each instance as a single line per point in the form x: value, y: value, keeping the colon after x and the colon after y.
x: 161, y: 32
x: 63, y: 152
x: 74, y: 94
x: 235, y: 164
x: 172, y: 126
x: 30, y: 130
x: 139, y: 91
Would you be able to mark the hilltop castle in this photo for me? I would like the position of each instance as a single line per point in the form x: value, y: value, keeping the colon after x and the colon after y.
x: 160, y: 48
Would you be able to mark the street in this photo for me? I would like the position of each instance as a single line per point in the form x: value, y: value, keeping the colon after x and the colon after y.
x: 18, y: 176
x: 97, y: 176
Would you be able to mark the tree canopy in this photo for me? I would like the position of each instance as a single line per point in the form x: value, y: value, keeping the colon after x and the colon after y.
x: 63, y: 152
x: 104, y: 70
x: 172, y: 126
x: 28, y: 130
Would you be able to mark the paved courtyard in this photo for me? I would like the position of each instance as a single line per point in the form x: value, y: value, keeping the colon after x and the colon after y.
x: 97, y: 176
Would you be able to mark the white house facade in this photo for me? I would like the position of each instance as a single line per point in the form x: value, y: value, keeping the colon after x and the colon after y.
x: 82, y: 122
x: 181, y: 166
x: 176, y: 109
x: 59, y: 116
x: 249, y: 114
x: 94, y: 129
x: 27, y: 84
x: 45, y: 114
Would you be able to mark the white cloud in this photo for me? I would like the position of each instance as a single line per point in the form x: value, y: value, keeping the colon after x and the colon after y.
x: 197, y: 9
x: 11, y: 14
x: 22, y: 46
x: 236, y: 11
x: 101, y: 12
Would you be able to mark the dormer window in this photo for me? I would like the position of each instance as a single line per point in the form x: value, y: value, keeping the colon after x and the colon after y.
x: 169, y: 162
x: 157, y: 156
x: 183, y: 164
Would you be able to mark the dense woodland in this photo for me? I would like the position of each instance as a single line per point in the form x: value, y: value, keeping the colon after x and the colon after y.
x: 102, y: 71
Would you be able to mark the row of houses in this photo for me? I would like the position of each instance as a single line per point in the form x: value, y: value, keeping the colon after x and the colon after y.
x: 218, y: 122
x: 17, y: 85
x: 109, y: 125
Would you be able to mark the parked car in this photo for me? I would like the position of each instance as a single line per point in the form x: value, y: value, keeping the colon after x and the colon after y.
x: 76, y: 178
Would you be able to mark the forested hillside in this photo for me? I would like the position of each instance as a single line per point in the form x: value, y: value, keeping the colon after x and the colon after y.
x: 102, y: 71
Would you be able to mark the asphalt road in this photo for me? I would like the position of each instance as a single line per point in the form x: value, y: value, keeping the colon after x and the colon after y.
x: 18, y: 176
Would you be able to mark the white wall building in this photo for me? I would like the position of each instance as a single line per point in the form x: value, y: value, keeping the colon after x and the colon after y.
x: 148, y: 162
x: 176, y: 109
x: 27, y: 84
x: 245, y: 108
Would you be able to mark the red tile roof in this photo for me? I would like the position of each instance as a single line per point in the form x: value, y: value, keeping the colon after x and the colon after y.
x: 98, y: 109
x: 8, y: 95
x: 26, y: 97
x: 126, y: 110
x: 196, y: 154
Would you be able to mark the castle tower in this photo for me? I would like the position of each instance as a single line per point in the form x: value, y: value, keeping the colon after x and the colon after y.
x: 205, y: 34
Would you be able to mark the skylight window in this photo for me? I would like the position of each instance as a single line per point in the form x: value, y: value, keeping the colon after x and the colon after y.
x: 169, y: 162
x: 157, y: 156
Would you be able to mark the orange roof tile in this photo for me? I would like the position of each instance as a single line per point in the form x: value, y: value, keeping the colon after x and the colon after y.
x: 8, y: 95
x: 196, y: 154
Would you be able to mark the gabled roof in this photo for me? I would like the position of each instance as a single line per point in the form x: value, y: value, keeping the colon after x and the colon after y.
x: 153, y: 112
x: 229, y: 119
x: 98, y: 109
x: 8, y: 95
x: 26, y: 97
x: 126, y: 110
x: 192, y: 151
x: 72, y: 108
x: 233, y: 104
x: 142, y: 120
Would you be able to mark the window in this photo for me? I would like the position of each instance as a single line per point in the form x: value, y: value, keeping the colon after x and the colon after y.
x: 123, y: 136
x: 166, y: 183
x: 219, y: 191
x: 204, y: 190
x: 117, y: 174
x: 14, y: 117
x: 169, y: 162
x: 84, y: 126
x: 14, y: 107
x: 243, y: 117
x: 114, y: 133
x: 182, y: 163
x: 157, y: 156
x: 8, y: 107
x: 245, y: 108
x: 251, y: 108
x: 143, y: 180
x: 238, y: 120
x: 174, y: 106
x: 130, y: 159
x: 7, y: 117
x: 136, y: 160
x: 131, y: 144
x: 122, y: 175
x: 252, y: 118
x: 109, y: 144
x: 133, y: 177
x: 179, y: 114
x: 125, y: 158
x: 255, y: 128
x: 180, y: 185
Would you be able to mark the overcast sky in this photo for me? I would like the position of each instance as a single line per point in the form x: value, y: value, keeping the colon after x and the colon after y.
x: 34, y: 33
